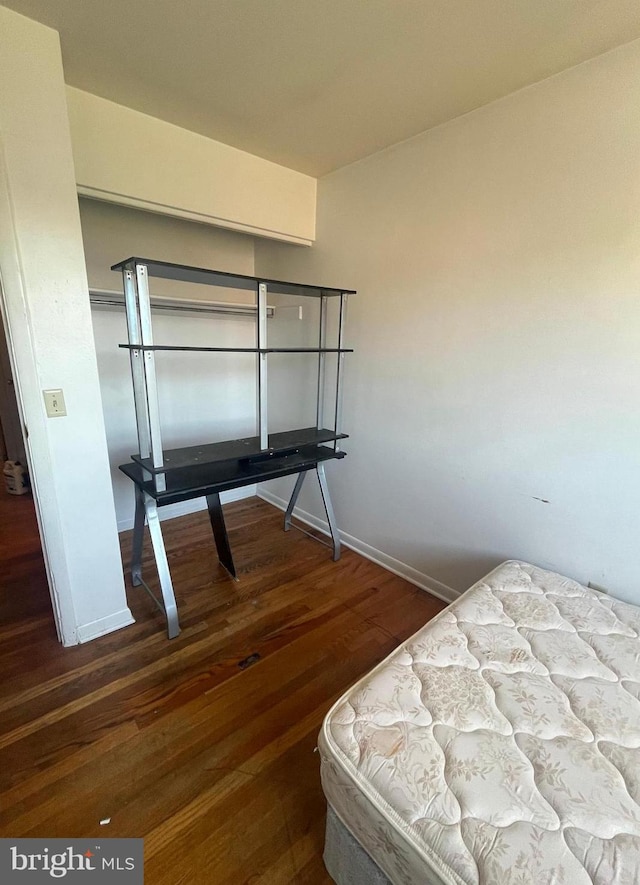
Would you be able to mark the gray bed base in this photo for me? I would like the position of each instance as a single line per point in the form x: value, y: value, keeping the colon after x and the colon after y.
x: 345, y: 859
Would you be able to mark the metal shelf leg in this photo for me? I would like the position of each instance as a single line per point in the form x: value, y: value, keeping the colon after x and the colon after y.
x: 293, y: 500
x: 138, y: 535
x: 328, y: 506
x: 220, y: 533
x: 169, y: 600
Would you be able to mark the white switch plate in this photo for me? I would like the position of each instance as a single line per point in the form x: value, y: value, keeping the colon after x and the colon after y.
x: 54, y: 403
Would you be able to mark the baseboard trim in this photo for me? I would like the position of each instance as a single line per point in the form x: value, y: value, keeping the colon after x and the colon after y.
x: 116, y: 621
x: 419, y: 579
x: 171, y: 511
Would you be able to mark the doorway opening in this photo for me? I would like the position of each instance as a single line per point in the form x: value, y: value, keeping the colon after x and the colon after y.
x: 25, y: 600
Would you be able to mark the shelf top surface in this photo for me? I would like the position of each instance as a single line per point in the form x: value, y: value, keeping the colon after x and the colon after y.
x: 196, y: 481
x: 192, y: 349
x: 207, y: 277
x: 239, y: 449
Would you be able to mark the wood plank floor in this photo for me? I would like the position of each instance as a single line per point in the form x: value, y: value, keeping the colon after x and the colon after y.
x: 172, y: 741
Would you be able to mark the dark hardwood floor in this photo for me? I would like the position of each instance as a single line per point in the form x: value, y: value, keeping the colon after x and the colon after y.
x: 136, y: 735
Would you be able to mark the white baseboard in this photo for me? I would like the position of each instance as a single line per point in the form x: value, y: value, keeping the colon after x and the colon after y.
x: 424, y: 582
x: 171, y: 511
x: 116, y: 621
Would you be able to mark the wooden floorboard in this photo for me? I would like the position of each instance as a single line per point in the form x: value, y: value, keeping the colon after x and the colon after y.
x: 172, y: 741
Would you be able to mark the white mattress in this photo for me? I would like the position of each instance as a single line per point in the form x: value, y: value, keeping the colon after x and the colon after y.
x: 501, y: 743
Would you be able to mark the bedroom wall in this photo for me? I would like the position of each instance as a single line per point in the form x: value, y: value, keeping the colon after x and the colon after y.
x: 203, y: 397
x: 493, y: 397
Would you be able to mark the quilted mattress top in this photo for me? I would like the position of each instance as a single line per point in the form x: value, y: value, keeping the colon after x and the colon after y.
x: 501, y: 743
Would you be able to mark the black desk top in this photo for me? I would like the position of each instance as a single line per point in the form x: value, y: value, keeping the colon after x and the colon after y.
x: 197, y: 481
x: 286, y: 443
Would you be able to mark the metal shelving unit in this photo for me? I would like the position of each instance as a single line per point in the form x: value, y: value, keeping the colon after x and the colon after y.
x: 167, y: 476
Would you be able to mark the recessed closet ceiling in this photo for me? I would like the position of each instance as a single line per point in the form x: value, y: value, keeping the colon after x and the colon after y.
x: 317, y: 84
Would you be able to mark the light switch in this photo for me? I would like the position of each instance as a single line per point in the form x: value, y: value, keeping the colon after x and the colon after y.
x: 54, y: 403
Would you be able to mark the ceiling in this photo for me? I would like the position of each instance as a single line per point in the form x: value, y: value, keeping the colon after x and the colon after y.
x: 317, y: 84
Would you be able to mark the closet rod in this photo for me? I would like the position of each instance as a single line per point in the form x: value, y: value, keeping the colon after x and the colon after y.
x: 113, y: 298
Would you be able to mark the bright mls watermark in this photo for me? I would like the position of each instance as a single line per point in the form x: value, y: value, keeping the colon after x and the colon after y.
x: 86, y: 861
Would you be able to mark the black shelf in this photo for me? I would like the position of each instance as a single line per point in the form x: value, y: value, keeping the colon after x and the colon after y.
x: 188, y: 349
x: 245, y: 450
x: 205, y: 479
x: 203, y: 276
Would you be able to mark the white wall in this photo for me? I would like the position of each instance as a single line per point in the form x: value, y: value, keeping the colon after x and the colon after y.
x: 129, y: 158
x: 493, y: 398
x: 204, y: 397
x: 48, y: 321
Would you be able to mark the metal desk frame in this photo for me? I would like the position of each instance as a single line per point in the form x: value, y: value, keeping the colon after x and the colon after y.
x: 154, y: 471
